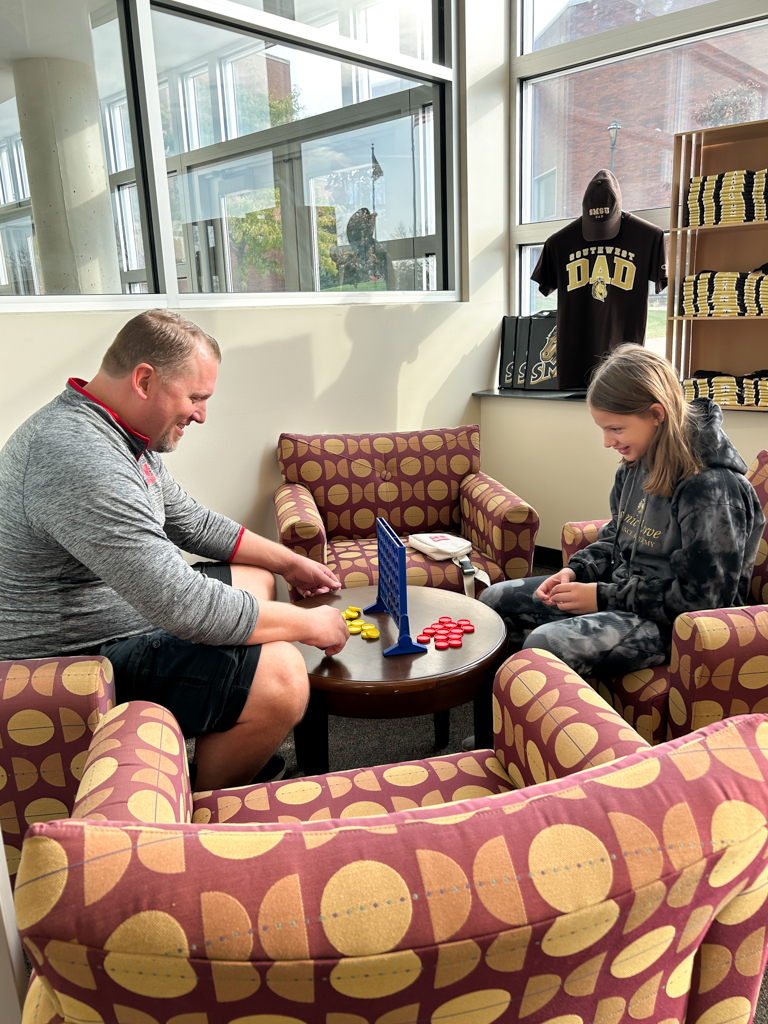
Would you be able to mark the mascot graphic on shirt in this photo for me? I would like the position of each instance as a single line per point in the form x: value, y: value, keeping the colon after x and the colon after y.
x: 546, y: 368
x: 600, y: 289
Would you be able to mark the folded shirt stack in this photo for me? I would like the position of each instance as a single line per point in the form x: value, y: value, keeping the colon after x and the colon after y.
x: 749, y: 390
x: 725, y: 293
x: 734, y: 197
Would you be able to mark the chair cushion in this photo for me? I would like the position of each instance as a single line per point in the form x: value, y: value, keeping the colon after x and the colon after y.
x: 356, y: 564
x: 411, y: 479
x: 758, y: 477
x: 372, y: 791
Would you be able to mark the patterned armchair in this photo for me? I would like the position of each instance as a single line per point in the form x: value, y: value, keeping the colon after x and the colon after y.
x: 429, y: 891
x: 48, y: 711
x: 719, y: 664
x: 336, y: 485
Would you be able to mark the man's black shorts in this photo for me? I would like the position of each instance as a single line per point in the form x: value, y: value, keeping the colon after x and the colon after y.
x: 205, y: 687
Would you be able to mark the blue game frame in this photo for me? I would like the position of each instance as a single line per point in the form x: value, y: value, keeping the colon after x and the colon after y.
x: 393, y: 588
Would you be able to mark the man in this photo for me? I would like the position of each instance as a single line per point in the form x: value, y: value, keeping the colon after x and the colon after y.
x: 91, y: 531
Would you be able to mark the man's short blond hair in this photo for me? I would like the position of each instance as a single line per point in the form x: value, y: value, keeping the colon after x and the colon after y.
x: 165, y: 340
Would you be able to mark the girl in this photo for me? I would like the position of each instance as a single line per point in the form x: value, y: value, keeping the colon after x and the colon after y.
x: 683, y: 535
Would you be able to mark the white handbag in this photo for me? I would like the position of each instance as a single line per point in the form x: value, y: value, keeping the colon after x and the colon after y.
x: 442, y: 546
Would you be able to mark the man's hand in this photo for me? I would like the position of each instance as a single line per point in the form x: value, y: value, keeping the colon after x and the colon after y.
x: 576, y: 598
x: 327, y: 629
x: 310, y: 578
x: 544, y: 592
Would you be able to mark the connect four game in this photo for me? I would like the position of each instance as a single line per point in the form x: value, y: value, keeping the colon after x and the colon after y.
x: 393, y: 595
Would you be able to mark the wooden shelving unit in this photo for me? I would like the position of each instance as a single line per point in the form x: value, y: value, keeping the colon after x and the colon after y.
x: 733, y: 344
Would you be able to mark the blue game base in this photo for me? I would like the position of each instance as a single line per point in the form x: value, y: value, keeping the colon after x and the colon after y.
x: 405, y: 646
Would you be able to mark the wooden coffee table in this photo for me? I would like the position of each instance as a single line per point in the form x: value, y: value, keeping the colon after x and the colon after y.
x: 361, y: 683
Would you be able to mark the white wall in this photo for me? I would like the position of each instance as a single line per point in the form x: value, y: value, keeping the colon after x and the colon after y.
x: 551, y: 453
x: 319, y: 368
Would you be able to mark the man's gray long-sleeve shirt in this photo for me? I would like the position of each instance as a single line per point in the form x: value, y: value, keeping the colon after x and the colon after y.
x: 91, y: 527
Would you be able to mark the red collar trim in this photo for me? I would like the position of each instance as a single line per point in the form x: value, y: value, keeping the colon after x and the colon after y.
x: 79, y: 385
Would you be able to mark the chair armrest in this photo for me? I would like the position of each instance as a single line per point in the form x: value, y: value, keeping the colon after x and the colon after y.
x: 549, y: 723
x: 578, y: 535
x: 719, y: 666
x: 299, y: 523
x: 499, y: 523
x: 136, y: 768
x: 49, y: 710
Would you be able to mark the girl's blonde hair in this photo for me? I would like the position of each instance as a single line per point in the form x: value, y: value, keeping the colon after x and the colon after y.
x: 628, y: 382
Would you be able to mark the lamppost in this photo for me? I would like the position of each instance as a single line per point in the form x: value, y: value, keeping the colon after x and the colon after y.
x: 613, y: 133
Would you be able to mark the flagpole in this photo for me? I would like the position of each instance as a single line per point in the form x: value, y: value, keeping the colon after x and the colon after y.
x: 373, y: 181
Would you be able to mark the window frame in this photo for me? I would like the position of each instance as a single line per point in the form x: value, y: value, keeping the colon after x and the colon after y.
x: 152, y: 166
x: 613, y: 44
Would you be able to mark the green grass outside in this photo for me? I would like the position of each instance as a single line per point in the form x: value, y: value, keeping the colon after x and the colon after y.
x: 657, y: 324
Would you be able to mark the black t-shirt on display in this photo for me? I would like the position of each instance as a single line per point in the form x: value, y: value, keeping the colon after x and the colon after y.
x: 602, y: 291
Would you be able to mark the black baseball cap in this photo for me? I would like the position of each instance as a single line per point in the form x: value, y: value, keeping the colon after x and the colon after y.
x: 601, y: 208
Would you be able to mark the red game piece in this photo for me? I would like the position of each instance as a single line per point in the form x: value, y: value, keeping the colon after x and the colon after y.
x: 430, y: 631
x: 437, y: 625
x: 423, y: 638
x: 441, y: 645
x: 463, y: 622
x: 454, y: 643
x: 442, y: 634
x: 445, y: 618
x: 468, y: 629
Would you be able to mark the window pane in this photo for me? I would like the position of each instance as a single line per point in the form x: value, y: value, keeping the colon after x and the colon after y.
x: 65, y: 134
x: 402, y: 26
x: 312, y: 174
x: 549, y: 22
x: 65, y: 226
x: 713, y: 81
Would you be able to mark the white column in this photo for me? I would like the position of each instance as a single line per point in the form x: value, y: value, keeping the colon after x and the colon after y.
x: 60, y: 117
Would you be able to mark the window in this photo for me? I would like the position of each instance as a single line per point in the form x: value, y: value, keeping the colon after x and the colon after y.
x: 292, y: 171
x: 69, y: 215
x: 549, y: 22
x: 286, y: 146
x: 657, y: 77
x: 409, y: 27
x: 714, y: 80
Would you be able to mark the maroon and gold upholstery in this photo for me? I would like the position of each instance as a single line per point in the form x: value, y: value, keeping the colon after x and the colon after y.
x: 140, y: 742
x: 550, y: 723
x: 335, y: 486
x: 719, y: 663
x: 368, y: 792
x: 635, y: 889
x: 48, y: 711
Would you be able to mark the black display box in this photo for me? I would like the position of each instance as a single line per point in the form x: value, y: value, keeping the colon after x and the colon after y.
x: 529, y: 352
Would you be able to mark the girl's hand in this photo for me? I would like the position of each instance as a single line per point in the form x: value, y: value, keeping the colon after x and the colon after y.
x: 544, y: 593
x: 576, y: 598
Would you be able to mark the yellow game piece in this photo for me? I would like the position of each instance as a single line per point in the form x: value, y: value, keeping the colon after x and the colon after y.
x: 370, y: 634
x: 350, y: 613
x: 355, y: 610
x: 356, y: 622
x: 355, y: 629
